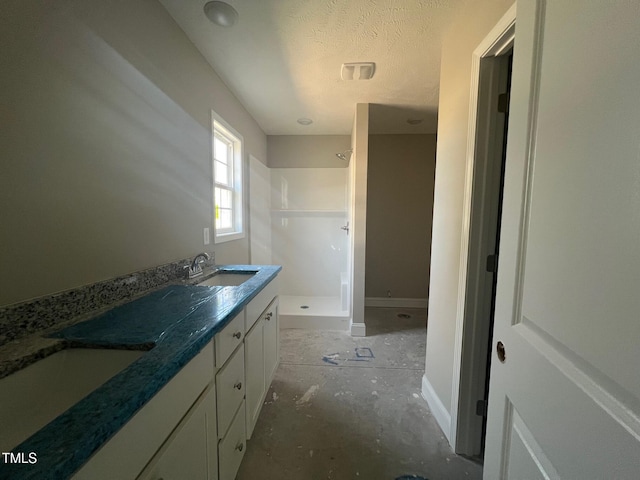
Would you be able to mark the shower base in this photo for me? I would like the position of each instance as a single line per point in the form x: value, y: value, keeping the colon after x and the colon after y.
x: 322, y: 313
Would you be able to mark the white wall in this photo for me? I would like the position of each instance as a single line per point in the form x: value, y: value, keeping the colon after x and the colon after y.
x: 466, y: 32
x: 308, y: 209
x: 106, y: 152
x: 259, y: 212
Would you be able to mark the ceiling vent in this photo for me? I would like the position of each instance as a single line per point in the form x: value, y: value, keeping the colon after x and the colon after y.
x: 357, y: 71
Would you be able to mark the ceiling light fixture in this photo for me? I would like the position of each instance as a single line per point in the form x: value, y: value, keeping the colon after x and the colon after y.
x: 305, y: 121
x: 221, y: 13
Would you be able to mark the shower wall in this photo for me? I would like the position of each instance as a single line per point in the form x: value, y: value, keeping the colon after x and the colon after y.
x: 309, y: 209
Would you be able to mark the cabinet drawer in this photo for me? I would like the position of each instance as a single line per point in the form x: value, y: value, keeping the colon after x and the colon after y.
x: 229, y: 338
x: 260, y: 302
x: 232, y: 447
x: 230, y: 387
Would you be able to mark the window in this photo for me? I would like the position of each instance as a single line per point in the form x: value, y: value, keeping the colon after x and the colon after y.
x: 227, y: 181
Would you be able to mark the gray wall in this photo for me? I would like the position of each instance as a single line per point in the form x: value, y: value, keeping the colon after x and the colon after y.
x: 465, y: 34
x: 105, y: 144
x: 311, y: 151
x: 399, y: 209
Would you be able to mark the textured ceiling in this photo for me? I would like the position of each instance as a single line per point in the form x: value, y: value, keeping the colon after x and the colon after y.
x: 283, y: 58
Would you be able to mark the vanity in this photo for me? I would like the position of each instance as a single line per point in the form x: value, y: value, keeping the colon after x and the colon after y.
x: 183, y: 407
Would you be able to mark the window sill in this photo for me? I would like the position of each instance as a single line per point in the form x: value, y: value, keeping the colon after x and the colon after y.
x: 228, y: 237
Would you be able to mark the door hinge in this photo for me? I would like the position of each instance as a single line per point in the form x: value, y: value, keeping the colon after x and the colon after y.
x: 481, y: 408
x: 492, y: 263
x: 503, y: 103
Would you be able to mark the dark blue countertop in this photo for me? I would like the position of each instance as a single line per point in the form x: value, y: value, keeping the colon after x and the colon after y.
x: 176, y: 323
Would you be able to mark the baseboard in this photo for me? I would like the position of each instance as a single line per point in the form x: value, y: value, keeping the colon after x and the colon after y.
x: 387, y: 302
x: 312, y: 322
x: 358, y: 329
x: 438, y: 410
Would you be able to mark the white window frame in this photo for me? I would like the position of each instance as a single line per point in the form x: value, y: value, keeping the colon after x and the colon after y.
x: 224, y: 131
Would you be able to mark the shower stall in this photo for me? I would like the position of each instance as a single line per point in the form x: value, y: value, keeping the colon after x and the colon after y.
x: 310, y: 239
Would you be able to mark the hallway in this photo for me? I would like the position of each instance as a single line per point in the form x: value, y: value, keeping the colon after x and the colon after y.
x: 343, y: 408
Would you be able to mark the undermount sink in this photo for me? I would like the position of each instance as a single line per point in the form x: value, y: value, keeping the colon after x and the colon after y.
x: 228, y: 279
x: 32, y: 397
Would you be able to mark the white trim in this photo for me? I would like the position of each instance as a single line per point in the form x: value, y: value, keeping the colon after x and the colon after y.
x: 386, y: 302
x: 358, y: 329
x: 227, y: 237
x: 498, y: 40
x: 438, y: 410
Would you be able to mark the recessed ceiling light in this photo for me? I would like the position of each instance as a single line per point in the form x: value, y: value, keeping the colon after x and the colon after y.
x: 305, y: 121
x: 221, y: 13
x: 414, y: 121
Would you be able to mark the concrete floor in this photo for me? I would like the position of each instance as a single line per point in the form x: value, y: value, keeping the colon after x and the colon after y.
x: 345, y: 408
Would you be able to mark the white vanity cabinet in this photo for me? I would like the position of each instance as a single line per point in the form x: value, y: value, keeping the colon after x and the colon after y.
x: 197, y: 426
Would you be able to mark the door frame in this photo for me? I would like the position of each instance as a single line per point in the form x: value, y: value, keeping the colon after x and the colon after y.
x: 472, y: 329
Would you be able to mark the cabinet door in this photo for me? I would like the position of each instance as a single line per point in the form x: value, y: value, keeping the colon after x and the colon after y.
x: 255, y: 373
x: 271, y: 342
x: 190, y: 451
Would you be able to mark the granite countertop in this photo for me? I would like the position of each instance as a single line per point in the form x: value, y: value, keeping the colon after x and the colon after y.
x: 174, y: 323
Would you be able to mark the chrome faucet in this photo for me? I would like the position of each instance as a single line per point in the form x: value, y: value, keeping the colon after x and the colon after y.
x: 195, y: 269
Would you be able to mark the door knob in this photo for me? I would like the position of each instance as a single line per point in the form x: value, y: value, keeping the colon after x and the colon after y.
x: 502, y: 354
x: 237, y: 335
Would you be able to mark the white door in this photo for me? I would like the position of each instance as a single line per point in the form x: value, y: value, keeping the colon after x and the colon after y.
x: 566, y: 401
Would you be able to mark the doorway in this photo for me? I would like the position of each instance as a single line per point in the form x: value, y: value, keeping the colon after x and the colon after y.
x: 480, y: 243
x: 495, y: 195
x: 484, y: 249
